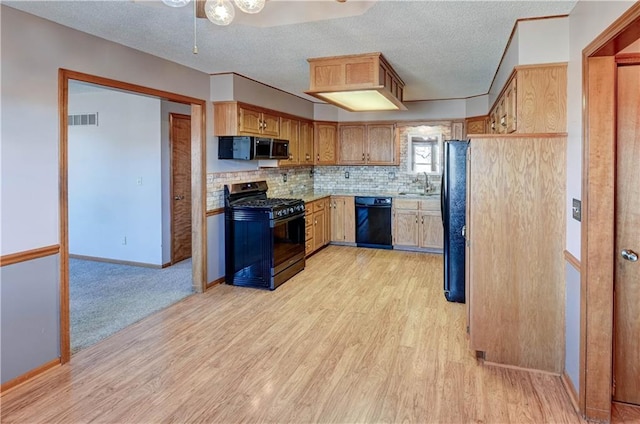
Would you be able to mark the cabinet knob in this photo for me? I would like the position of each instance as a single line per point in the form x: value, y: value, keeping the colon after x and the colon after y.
x: 363, y: 157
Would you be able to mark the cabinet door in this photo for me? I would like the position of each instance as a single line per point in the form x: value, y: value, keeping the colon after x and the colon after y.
x: 405, y: 228
x: 270, y: 125
x: 457, y: 130
x: 476, y: 125
x: 325, y: 135
x: 431, y: 234
x: 306, y: 144
x: 250, y: 121
x: 351, y: 145
x: 381, y: 144
x: 290, y: 130
x: 318, y: 230
x: 349, y: 214
x: 327, y: 220
x: 337, y: 219
x: 510, y: 106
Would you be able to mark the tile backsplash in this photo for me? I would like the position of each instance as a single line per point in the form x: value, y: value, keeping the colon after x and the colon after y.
x: 299, y: 182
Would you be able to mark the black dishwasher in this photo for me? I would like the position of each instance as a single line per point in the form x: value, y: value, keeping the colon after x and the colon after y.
x: 373, y: 222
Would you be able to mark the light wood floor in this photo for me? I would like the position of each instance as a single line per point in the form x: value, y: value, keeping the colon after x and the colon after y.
x: 360, y: 336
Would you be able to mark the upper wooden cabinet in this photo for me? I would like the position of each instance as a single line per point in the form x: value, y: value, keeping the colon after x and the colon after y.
x: 324, y: 143
x: 367, y: 144
x: 290, y: 130
x: 477, y: 125
x: 534, y: 100
x: 234, y: 118
x: 457, y: 130
x: 305, y: 151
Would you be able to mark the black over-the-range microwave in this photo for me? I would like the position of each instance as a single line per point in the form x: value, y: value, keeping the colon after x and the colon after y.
x: 248, y: 148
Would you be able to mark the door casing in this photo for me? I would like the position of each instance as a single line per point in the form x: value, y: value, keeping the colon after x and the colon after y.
x: 598, y: 218
x: 198, y: 187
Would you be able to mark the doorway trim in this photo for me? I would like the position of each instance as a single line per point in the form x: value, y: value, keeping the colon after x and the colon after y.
x: 597, y: 231
x: 198, y: 186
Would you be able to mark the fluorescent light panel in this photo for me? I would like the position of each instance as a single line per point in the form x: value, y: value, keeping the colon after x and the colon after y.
x: 360, y: 101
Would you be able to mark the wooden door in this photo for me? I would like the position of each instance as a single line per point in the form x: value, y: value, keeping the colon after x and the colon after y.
x: 270, y: 125
x: 337, y: 219
x: 431, y: 234
x: 306, y: 144
x: 318, y: 229
x: 381, y: 146
x: 250, y: 121
x: 289, y: 130
x: 349, y: 214
x: 406, y: 228
x: 180, y: 139
x: 626, y: 370
x: 325, y: 135
x: 351, y: 145
x: 327, y: 220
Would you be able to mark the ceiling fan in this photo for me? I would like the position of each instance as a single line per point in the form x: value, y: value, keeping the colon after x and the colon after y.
x: 220, y: 12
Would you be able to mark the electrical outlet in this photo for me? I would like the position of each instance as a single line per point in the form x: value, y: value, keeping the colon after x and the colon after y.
x: 577, y: 209
x: 124, y: 240
x: 284, y: 178
x: 346, y: 174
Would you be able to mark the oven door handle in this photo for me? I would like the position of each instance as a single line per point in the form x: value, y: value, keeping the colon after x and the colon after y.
x: 274, y: 222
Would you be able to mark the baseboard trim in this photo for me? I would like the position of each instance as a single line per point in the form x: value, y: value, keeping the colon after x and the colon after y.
x: 215, y: 282
x: 517, y: 368
x: 28, y: 255
x: 116, y: 261
x: 571, y: 391
x: 12, y: 384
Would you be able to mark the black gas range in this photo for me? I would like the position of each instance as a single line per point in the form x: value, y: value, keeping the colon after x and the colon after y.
x: 264, y: 237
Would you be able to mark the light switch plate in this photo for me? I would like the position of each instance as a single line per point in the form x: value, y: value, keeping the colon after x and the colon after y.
x: 577, y: 210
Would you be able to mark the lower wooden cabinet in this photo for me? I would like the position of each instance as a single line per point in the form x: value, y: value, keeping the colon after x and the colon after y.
x: 417, y: 224
x: 318, y: 224
x: 343, y: 219
x: 515, y: 241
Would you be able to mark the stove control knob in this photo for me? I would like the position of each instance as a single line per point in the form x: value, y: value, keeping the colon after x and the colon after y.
x: 291, y: 210
x: 279, y: 213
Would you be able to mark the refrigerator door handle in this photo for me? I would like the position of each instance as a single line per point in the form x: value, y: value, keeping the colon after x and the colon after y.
x: 464, y: 231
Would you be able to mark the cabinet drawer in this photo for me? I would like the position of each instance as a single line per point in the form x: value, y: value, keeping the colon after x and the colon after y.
x: 308, y: 211
x: 408, y: 204
x: 318, y: 205
x: 430, y: 205
x: 308, y: 232
x: 308, y: 247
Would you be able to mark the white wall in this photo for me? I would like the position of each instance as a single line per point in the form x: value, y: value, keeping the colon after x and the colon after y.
x: 477, y: 106
x: 543, y: 41
x: 166, y: 108
x: 33, y: 49
x: 115, y: 179
x: 587, y: 20
x: 509, y: 61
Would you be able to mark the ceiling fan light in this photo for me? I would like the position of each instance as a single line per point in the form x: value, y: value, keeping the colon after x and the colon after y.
x: 176, y: 3
x: 250, y: 6
x: 220, y: 12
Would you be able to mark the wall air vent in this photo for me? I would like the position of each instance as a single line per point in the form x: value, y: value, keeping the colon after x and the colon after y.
x: 83, y: 119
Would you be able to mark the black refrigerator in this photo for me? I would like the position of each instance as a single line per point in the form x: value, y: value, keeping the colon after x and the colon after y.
x: 453, y: 200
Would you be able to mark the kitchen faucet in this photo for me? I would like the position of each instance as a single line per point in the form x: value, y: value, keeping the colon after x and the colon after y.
x: 427, y: 184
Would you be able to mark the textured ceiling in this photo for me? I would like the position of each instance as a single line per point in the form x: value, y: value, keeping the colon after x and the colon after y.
x: 441, y: 49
